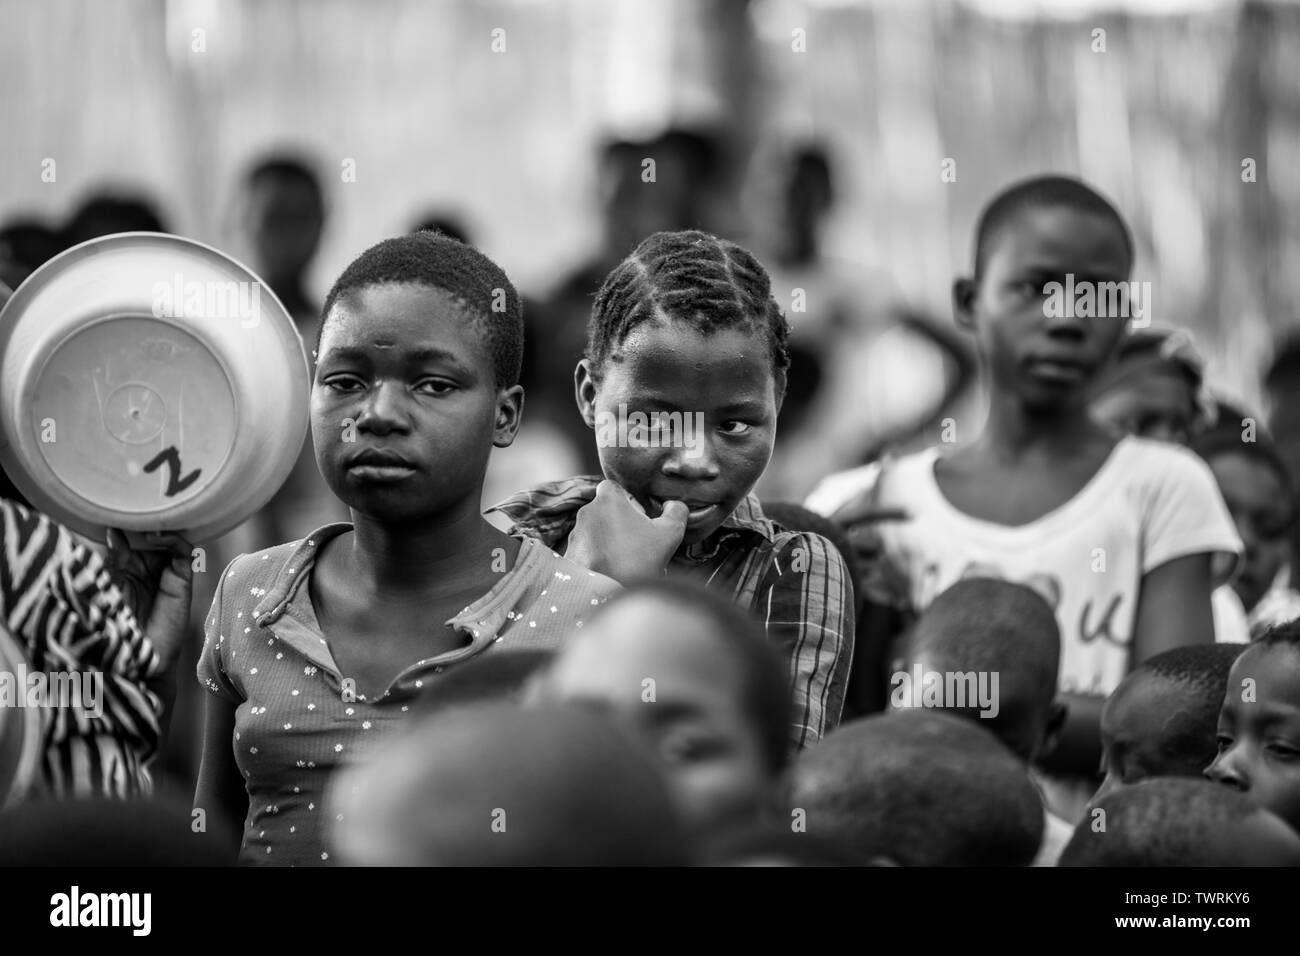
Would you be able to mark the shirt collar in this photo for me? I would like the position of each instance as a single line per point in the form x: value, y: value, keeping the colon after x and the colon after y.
x: 549, y: 511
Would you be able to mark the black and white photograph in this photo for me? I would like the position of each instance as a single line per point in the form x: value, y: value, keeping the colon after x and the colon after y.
x: 651, y: 434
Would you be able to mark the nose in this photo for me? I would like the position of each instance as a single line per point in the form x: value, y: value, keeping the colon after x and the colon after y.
x: 693, y: 460
x: 382, y: 409
x: 1063, y: 325
x: 1227, y: 770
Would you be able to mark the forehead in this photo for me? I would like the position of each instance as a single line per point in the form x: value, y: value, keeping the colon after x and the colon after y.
x: 401, y: 316
x: 1142, y: 705
x: 1060, y: 238
x: 1275, y: 669
x: 642, y: 638
x: 666, y: 355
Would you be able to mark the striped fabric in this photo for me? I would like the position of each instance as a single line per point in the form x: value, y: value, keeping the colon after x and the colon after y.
x: 58, y: 601
x: 795, y: 582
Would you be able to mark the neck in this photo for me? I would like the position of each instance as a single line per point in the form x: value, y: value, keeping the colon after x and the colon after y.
x: 1014, y: 428
x: 442, y: 553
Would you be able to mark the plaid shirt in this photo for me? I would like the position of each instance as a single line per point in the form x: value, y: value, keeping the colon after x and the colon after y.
x: 796, y: 582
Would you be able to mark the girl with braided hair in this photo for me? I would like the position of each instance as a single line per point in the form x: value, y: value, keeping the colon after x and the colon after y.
x: 682, y: 379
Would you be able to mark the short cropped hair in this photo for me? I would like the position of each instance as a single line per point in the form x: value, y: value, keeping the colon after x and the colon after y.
x: 1041, y: 192
x: 440, y: 262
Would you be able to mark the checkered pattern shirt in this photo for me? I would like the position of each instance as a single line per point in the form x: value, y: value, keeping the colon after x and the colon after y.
x: 795, y: 582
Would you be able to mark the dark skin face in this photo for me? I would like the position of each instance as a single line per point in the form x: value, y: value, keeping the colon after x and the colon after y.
x: 1046, y: 362
x: 404, y: 364
x: 696, y: 721
x: 1261, y: 511
x: 1259, y: 739
x: 669, y: 366
x: 1134, y: 725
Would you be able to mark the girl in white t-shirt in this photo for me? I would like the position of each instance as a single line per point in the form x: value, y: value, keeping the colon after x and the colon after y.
x: 1124, y: 537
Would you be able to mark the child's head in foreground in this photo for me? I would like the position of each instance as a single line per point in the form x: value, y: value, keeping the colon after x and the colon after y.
x: 686, y: 326
x: 696, y: 678
x: 498, y: 786
x: 918, y: 788
x: 500, y: 676
x: 1178, y: 821
x: 416, y: 377
x: 1039, y: 231
x: 1005, y: 638
x: 1259, y: 725
x: 1161, y: 720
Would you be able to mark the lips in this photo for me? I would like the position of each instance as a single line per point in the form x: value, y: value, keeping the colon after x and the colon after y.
x: 700, y: 512
x: 377, y: 465
x: 1058, y: 368
x: 379, y: 458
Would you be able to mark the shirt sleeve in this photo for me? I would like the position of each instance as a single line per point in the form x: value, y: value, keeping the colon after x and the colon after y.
x: 75, y: 626
x: 211, y: 669
x: 1185, y: 515
x: 804, y: 602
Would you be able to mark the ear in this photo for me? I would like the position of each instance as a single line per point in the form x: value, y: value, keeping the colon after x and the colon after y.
x: 510, y: 410
x: 584, y: 392
x: 1052, y: 729
x: 964, y: 292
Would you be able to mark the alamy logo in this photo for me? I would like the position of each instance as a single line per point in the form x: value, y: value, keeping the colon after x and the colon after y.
x: 179, y: 299
x: 55, y: 690
x: 133, y: 910
x: 956, y: 690
x: 651, y: 430
x: 1110, y: 300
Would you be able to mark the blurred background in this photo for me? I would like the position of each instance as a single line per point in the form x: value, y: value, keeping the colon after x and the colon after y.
x: 850, y: 143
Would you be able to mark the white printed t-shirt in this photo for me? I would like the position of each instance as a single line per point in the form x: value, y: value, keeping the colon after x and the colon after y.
x: 1150, y: 502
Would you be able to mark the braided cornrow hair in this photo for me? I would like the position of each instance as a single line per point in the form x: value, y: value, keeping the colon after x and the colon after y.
x: 688, y: 276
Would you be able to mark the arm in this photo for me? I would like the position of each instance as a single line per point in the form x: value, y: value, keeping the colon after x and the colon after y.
x: 805, y: 602
x: 1173, y: 607
x: 1173, y: 610
x: 220, y: 792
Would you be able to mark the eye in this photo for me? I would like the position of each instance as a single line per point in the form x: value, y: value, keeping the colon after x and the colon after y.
x: 736, y: 428
x: 436, y: 386
x: 1028, y: 289
x: 344, y: 383
x: 1224, y: 742
x: 1283, y: 751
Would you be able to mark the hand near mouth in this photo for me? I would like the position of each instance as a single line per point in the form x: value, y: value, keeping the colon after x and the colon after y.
x: 614, y: 536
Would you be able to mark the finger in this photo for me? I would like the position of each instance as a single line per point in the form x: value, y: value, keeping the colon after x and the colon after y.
x: 615, y: 493
x: 118, y: 547
x: 675, y: 513
x: 172, y: 541
x: 154, y: 540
